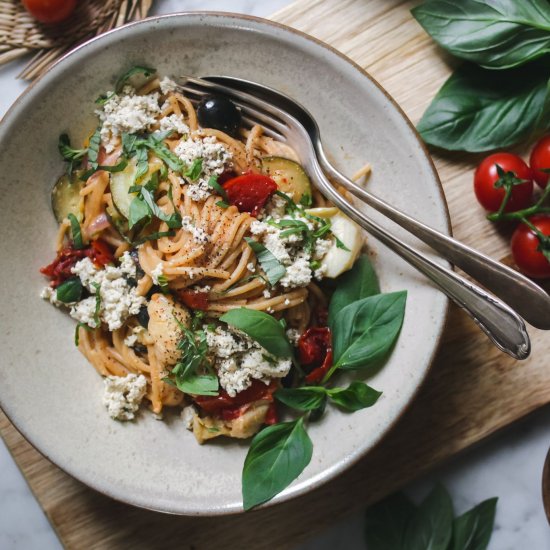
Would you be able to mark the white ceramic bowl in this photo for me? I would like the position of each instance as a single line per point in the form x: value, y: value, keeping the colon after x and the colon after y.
x: 50, y: 392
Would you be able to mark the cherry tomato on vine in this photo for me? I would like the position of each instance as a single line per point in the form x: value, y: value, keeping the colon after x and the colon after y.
x: 540, y: 158
x: 526, y: 247
x: 487, y: 175
x: 49, y: 11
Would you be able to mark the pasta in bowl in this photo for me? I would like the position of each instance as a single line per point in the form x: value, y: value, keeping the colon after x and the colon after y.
x: 195, y: 260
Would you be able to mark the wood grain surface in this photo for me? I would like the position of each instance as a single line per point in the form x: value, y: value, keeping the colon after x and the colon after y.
x: 472, y: 390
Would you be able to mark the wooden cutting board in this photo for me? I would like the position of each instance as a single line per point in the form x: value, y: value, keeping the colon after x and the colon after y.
x: 472, y: 391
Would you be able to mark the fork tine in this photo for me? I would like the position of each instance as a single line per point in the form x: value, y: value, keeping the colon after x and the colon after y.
x: 267, y: 122
x: 267, y: 131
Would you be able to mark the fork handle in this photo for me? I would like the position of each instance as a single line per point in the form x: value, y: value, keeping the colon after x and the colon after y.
x: 501, y: 323
x: 526, y: 297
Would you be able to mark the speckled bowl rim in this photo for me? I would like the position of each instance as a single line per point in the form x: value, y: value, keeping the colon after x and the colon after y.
x: 339, y: 468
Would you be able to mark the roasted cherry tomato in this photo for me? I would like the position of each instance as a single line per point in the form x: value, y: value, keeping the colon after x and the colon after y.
x: 526, y: 247
x: 315, y: 352
x: 250, y: 192
x: 540, y: 159
x: 100, y: 253
x: 49, y: 11
x: 486, y: 176
x: 194, y: 299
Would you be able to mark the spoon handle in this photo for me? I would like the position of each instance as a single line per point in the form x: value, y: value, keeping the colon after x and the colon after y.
x: 526, y: 297
x: 501, y: 323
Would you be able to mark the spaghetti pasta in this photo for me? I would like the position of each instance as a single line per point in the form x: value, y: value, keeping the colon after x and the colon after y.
x: 181, y: 224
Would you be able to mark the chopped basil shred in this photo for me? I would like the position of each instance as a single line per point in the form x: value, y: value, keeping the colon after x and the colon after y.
x: 213, y: 182
x: 274, y: 269
x: 70, y: 291
x: 97, y: 310
x: 195, y: 170
x: 76, y: 231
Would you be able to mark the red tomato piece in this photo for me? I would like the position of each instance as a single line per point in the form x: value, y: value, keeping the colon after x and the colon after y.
x: 193, y: 298
x: 271, y: 417
x: 486, y: 176
x: 49, y: 11
x: 540, y: 159
x: 526, y: 247
x: 60, y: 269
x: 257, y: 390
x: 249, y: 192
x: 315, y: 352
x: 100, y: 253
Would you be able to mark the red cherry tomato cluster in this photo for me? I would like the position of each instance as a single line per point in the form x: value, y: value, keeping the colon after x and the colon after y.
x: 315, y: 353
x: 503, y: 184
x: 50, y: 11
x: 249, y: 192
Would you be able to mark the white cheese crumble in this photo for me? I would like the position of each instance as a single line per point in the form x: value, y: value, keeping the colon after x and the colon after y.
x: 293, y: 335
x: 118, y: 300
x: 156, y: 273
x: 167, y: 85
x: 215, y: 157
x: 50, y: 294
x: 126, y: 112
x: 239, y: 360
x: 174, y: 123
x: 188, y: 415
x: 123, y: 395
x: 199, y: 235
x: 251, y: 267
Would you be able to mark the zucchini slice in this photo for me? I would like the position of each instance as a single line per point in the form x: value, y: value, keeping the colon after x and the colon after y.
x: 288, y: 175
x: 120, y: 186
x: 66, y: 197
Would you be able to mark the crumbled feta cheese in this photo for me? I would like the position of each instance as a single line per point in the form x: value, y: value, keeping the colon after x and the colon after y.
x: 298, y: 273
x: 50, y: 294
x: 293, y: 335
x: 156, y: 273
x: 123, y: 395
x: 135, y: 336
x: 251, y: 267
x: 321, y: 247
x: 267, y: 293
x: 188, y: 415
x: 175, y: 123
x: 199, y: 235
x: 167, y: 85
x: 237, y: 375
x: 215, y: 157
x: 224, y: 343
x: 118, y: 299
x: 276, y: 206
x: 127, y: 113
x: 130, y: 340
x: 287, y: 302
x: 320, y: 272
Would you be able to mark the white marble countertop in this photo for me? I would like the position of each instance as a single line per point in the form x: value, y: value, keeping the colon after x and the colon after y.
x: 509, y: 466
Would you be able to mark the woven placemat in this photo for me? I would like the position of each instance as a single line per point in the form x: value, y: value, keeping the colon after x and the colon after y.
x: 21, y: 34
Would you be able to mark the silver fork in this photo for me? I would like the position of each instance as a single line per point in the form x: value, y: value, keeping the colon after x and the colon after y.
x: 501, y: 323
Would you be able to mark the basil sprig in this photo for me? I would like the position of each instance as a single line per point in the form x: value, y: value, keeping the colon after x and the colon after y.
x: 76, y: 231
x: 355, y: 397
x: 495, y: 35
x: 72, y: 156
x: 396, y: 523
x: 135, y: 76
x: 262, y: 328
x: 480, y: 108
x: 273, y: 268
x: 278, y: 454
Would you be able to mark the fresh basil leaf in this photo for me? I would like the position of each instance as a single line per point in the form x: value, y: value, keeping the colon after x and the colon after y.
x: 355, y: 397
x: 173, y: 221
x: 431, y: 524
x: 340, y: 244
x: 93, y: 147
x: 163, y: 153
x: 142, y: 163
x: 195, y: 170
x: 213, y: 182
x: 387, y: 521
x: 364, y: 331
x: 276, y: 457
x: 473, y: 529
x: 70, y: 290
x: 262, y: 328
x: 103, y: 98
x: 222, y: 204
x: 128, y: 144
x: 200, y: 384
x: 130, y: 76
x: 353, y: 285
x: 306, y: 398
x: 76, y: 231
x: 72, y: 156
x: 494, y: 34
x: 97, y: 310
x: 274, y: 269
x: 306, y: 200
x: 138, y: 211
x: 479, y: 110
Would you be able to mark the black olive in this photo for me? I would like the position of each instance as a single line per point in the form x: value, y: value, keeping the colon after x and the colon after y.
x: 219, y: 113
x: 143, y: 316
